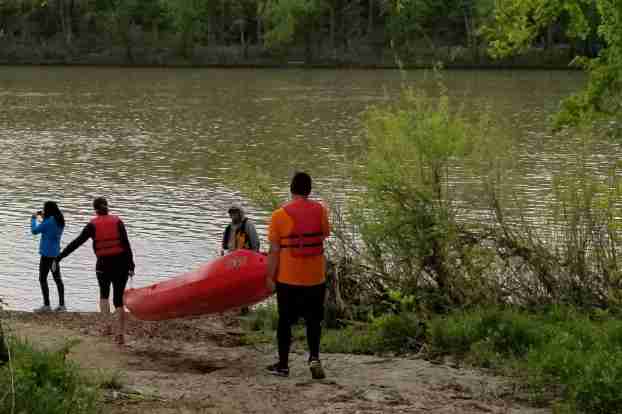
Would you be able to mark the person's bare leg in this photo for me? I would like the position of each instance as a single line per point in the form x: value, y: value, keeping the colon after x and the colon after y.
x: 104, y: 309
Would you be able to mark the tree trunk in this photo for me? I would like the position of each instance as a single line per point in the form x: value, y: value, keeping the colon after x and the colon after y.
x: 243, y: 41
x: 332, y: 27
x: 65, y: 8
x: 370, y: 18
x: 309, y: 45
x: 125, y: 27
x: 549, y: 37
x: 223, y: 19
x: 155, y: 32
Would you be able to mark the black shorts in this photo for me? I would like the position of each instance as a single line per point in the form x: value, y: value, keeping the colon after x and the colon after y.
x: 112, y: 271
x: 296, y: 302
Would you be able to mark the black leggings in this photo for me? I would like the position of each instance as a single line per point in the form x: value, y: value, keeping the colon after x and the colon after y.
x: 295, y: 302
x: 112, y: 271
x: 45, y: 265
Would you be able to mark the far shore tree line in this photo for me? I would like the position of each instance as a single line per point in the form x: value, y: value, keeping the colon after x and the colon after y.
x: 329, y: 31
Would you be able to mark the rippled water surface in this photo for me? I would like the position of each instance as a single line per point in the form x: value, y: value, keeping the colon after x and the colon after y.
x: 165, y: 146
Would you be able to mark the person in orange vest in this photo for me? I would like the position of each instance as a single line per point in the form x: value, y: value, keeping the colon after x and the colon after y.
x: 240, y: 233
x: 115, y: 261
x: 296, y: 268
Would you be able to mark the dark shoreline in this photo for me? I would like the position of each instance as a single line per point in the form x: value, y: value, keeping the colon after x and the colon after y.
x: 276, y: 66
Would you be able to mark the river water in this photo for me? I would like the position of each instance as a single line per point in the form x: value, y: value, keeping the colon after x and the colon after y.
x: 165, y: 146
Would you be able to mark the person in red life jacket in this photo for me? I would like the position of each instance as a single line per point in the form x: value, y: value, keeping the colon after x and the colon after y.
x: 296, y: 267
x: 115, y: 261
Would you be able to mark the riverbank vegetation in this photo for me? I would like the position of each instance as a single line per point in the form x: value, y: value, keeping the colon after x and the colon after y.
x: 44, y: 382
x: 557, y: 356
x: 444, y: 254
x: 518, y: 23
x: 273, y: 32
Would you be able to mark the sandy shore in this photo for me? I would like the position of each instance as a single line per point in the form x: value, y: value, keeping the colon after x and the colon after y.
x: 199, y: 366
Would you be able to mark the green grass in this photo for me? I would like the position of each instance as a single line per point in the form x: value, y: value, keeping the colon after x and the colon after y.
x: 260, y: 325
x: 572, y: 356
x: 401, y: 333
x: 561, y: 355
x: 44, y: 382
x: 397, y: 333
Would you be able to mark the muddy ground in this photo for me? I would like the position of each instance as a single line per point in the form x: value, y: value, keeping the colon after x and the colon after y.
x: 198, y: 366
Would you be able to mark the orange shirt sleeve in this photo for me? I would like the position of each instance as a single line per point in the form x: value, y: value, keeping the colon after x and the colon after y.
x: 274, y: 235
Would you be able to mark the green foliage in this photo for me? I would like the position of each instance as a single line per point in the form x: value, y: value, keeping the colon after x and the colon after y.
x: 506, y: 333
x: 411, y: 21
x: 573, y: 257
x: 44, y: 383
x: 287, y: 19
x: 408, y: 216
x: 189, y: 19
x: 262, y: 318
x: 111, y: 380
x: 560, y: 351
x: 401, y: 333
x: 4, y: 352
x: 260, y: 325
x: 518, y: 23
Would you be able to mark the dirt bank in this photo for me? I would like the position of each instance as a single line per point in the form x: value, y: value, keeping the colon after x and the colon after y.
x: 198, y: 366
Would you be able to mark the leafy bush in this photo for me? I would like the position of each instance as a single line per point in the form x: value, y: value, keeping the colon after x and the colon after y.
x: 397, y: 333
x: 262, y: 318
x: 350, y: 340
x: 508, y: 333
x: 408, y: 217
x: 260, y: 325
x: 43, y: 382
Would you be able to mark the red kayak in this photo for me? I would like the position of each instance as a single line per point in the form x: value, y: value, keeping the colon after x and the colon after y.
x: 235, y: 280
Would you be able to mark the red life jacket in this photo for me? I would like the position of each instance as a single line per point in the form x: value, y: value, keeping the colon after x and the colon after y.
x: 107, y: 240
x: 307, y: 237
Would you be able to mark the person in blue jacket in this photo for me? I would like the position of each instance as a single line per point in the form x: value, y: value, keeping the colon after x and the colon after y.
x: 51, y: 229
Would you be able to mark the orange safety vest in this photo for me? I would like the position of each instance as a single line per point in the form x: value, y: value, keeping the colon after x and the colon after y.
x: 107, y: 239
x: 306, y: 237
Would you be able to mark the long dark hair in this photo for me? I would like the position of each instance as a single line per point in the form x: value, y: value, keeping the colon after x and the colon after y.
x: 50, y: 209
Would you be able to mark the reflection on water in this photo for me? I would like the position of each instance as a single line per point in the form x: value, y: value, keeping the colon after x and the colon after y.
x: 164, y: 145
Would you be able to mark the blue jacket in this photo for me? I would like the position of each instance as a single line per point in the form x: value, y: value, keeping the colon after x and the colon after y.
x: 51, y: 233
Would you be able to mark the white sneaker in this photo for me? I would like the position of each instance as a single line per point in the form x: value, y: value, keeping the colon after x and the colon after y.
x: 60, y: 308
x: 43, y: 309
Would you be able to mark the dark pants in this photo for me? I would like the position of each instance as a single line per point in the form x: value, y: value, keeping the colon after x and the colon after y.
x: 294, y: 302
x: 45, y: 265
x: 112, y: 271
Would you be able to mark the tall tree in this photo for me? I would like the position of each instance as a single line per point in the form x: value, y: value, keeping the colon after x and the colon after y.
x: 119, y: 18
x: 243, y: 14
x: 63, y: 9
x: 190, y: 18
x: 289, y: 20
x: 519, y: 22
